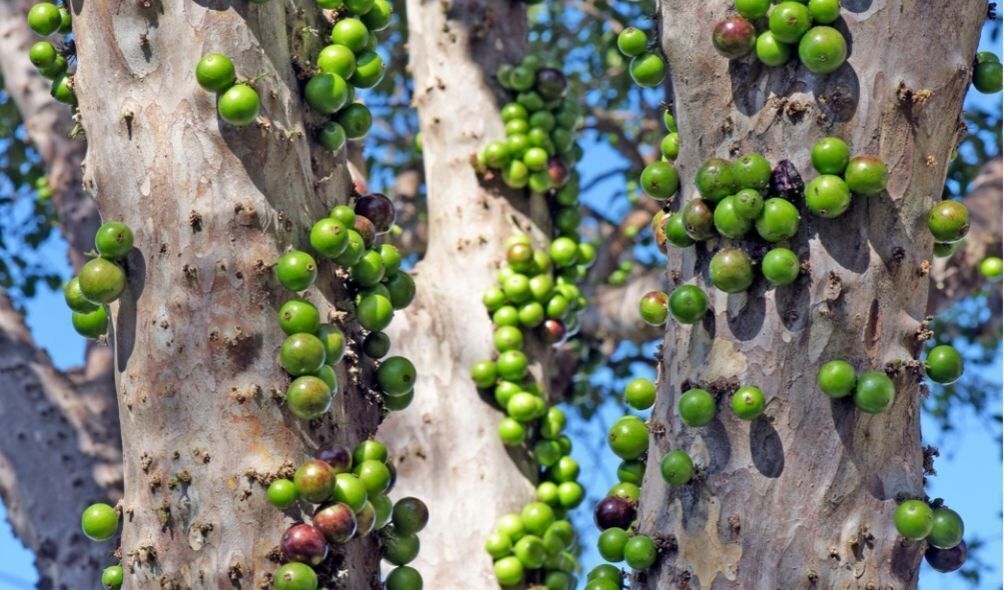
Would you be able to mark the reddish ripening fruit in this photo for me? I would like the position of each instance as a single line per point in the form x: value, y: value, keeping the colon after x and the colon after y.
x: 734, y: 37
x: 314, y: 480
x: 378, y: 209
x: 304, y: 543
x: 613, y: 512
x: 366, y: 230
x: 558, y: 172
x: 336, y: 522
x: 338, y: 457
x: 553, y: 331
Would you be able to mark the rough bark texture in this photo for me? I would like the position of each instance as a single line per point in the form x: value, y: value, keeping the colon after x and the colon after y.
x: 446, y: 444
x: 196, y: 335
x: 804, y: 497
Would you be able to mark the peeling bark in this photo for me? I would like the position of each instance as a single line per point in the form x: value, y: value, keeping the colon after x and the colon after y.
x: 446, y: 444
x: 803, y: 497
x: 212, y: 207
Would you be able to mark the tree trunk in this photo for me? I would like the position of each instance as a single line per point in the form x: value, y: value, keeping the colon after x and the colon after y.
x: 196, y: 332
x: 446, y: 444
x: 804, y: 497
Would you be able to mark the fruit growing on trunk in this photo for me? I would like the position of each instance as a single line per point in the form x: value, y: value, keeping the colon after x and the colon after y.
x: 734, y: 37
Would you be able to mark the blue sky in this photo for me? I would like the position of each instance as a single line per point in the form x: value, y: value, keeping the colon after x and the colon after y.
x: 969, y: 469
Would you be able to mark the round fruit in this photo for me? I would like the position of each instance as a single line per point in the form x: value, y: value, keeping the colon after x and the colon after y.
x: 747, y: 204
x: 42, y: 54
x: 75, y: 299
x: 640, y: 393
x: 305, y: 544
x: 329, y: 237
x: 374, y: 312
x: 611, y: 512
x: 874, y: 392
x: 511, y: 431
x: 677, y: 468
x: 369, y: 70
x: 530, y: 551
x: 314, y: 480
x: 611, y: 544
x: 326, y: 92
x: 101, y: 281
x: 628, y: 437
x: 830, y: 155
x: 410, y: 515
x: 670, y: 146
x: 836, y: 378
x: 653, y: 308
x: 44, y: 18
x: 676, y: 233
x: 992, y: 267
x: 696, y: 408
x: 93, y: 324
x: 914, y: 519
x: 770, y: 51
x: 988, y: 77
x: 753, y: 9
x: 647, y: 70
x: 778, y: 220
x: 113, y: 240
x: 536, y: 517
x: 301, y: 354
x: 337, y: 522
x: 295, y: 576
x: 631, y: 471
x: 822, y: 50
x: 308, y: 397
x: 551, y: 84
x: 337, y: 59
x: 509, y: 571
x: 62, y: 90
x: 946, y: 560
x: 374, y: 474
x: 239, y: 105
x: 660, y: 180
x: 111, y: 577
x: 731, y: 270
x: 715, y: 179
x: 378, y: 19
x: 698, y: 219
x: 334, y: 343
x: 632, y: 42
x: 866, y: 175
x: 688, y: 304
x: 734, y: 37
x: 356, y: 120
x: 747, y: 402
x: 780, y: 266
x: 824, y: 12
x: 941, y: 250
x: 827, y: 196
x: 640, y: 552
x: 401, y: 287
x: 404, y: 577
x: 396, y: 375
x: 332, y: 136
x: 99, y: 522
x: 947, y: 530
x: 948, y: 221
x: 296, y: 270
x: 751, y: 171
x: 215, y: 72
x: 944, y: 364
x: 352, y: 33
x: 351, y: 491
x: 789, y: 21
x: 728, y: 221
x: 282, y: 493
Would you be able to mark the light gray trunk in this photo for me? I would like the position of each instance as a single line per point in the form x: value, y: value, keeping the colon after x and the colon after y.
x: 804, y: 497
x: 196, y: 331
x: 446, y: 444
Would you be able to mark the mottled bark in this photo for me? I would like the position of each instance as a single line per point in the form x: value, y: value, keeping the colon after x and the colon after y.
x: 446, y: 444
x: 196, y: 335
x: 804, y: 497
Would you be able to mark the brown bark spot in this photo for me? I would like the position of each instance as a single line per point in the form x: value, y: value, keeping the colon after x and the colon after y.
x: 873, y: 329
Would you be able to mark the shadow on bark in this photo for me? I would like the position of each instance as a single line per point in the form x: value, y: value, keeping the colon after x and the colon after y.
x: 766, y: 448
x: 746, y: 317
x: 125, y: 331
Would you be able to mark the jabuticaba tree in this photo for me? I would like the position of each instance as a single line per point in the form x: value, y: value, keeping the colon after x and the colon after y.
x: 804, y: 496
x: 212, y: 207
x: 447, y: 444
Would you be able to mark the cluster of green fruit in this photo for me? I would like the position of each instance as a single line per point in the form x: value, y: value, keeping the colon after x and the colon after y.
x: 236, y: 102
x: 101, y: 280
x: 351, y: 491
x: 940, y: 526
x: 537, y: 546
x: 52, y: 59
x: 349, y: 62
x: 619, y: 276
x: 536, y: 290
x: 99, y: 522
x: 988, y: 75
x: 43, y: 189
x: 647, y: 67
x: 540, y: 126
x: 821, y: 48
x: 347, y: 237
